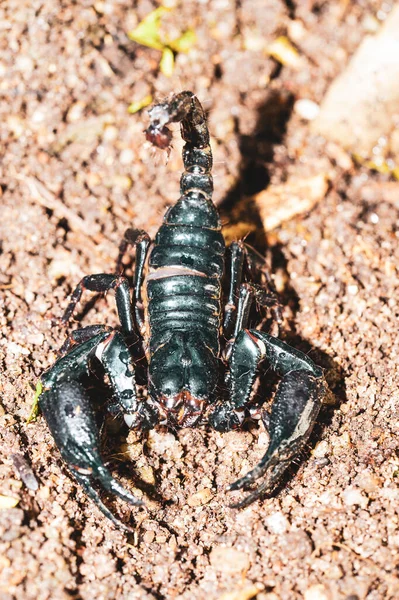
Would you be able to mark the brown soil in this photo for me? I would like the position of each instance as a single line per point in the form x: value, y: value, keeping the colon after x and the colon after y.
x: 75, y: 174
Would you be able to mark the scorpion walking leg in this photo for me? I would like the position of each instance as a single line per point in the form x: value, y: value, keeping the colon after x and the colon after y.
x: 70, y: 416
x: 237, y: 255
x: 230, y: 415
x: 266, y: 294
x: 141, y: 240
x: 295, y: 407
x: 247, y: 293
x: 102, y: 283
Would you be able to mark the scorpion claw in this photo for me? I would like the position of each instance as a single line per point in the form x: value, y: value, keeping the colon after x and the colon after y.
x: 85, y: 482
x: 258, y: 471
x: 294, y: 411
x: 69, y: 415
x: 266, y: 487
x: 112, y: 485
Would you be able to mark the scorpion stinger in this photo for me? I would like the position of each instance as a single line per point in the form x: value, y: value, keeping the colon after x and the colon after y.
x: 189, y: 332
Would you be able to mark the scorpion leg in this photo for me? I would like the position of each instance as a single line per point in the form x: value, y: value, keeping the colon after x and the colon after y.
x: 266, y: 294
x: 141, y: 240
x: 102, y: 283
x: 295, y: 407
x: 230, y: 415
x: 237, y: 255
x: 245, y: 298
x: 70, y: 416
x: 247, y: 293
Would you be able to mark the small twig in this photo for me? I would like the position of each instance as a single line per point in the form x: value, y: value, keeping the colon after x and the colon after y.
x: 45, y: 198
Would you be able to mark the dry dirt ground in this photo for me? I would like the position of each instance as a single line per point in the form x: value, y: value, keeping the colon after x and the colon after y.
x: 75, y: 174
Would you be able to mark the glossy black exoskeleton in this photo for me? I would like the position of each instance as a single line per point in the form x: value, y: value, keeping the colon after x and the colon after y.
x: 190, y: 332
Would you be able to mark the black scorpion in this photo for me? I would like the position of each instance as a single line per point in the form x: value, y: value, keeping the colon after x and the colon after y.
x: 189, y: 330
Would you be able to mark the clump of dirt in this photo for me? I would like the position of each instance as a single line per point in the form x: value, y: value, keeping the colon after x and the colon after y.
x: 75, y: 174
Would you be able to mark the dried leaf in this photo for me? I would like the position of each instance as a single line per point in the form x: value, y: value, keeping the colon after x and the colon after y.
x: 238, y: 231
x: 280, y: 203
x: 25, y: 471
x: 135, y: 107
x: 199, y: 498
x: 285, y: 53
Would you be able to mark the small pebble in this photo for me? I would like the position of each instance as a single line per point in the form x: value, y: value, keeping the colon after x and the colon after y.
x: 75, y: 113
x: 277, y: 523
x: 353, y: 496
x: 317, y: 592
x: 229, y: 560
x: 244, y: 593
x: 306, y: 109
x: 295, y: 545
x: 126, y: 157
x: 8, y: 502
x: 199, y: 498
x: 16, y: 349
x: 322, y: 462
x: 353, y: 289
x: 149, y: 537
x: 36, y: 339
x: 321, y: 449
x: 374, y: 218
x: 24, y: 471
x: 147, y: 474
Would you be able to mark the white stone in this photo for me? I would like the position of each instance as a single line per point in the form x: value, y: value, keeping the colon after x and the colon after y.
x: 277, y: 523
x: 306, y: 109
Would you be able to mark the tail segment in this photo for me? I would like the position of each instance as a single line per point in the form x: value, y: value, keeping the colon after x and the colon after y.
x: 197, y: 154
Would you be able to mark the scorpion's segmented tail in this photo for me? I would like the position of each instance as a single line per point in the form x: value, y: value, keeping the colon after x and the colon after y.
x: 197, y: 154
x: 187, y: 261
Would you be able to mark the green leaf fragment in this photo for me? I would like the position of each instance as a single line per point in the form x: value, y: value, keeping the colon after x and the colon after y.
x: 380, y: 166
x: 135, y: 107
x: 147, y: 33
x: 8, y: 502
x: 185, y: 42
x: 34, y: 411
x: 167, y: 62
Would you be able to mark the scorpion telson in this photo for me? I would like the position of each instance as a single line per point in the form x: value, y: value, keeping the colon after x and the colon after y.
x: 190, y: 331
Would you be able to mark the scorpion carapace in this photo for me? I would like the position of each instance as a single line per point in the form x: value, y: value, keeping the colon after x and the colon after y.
x: 190, y: 331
